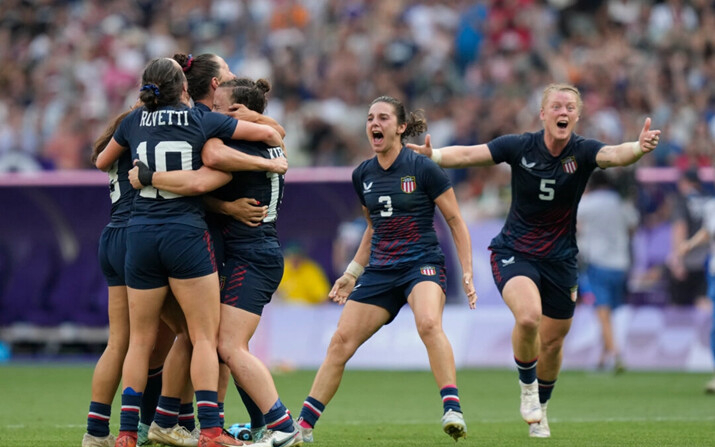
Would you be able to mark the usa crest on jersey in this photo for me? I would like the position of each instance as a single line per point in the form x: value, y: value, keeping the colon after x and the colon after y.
x: 569, y: 164
x: 428, y: 270
x: 408, y: 184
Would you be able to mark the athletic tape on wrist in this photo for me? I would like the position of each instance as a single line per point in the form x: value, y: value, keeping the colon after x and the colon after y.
x: 354, y: 269
x: 436, y: 155
x: 637, y: 151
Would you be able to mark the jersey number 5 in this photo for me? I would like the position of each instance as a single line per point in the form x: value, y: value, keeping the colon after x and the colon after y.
x: 547, y: 189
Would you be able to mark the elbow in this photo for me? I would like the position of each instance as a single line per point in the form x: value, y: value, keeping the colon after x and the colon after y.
x: 211, y: 158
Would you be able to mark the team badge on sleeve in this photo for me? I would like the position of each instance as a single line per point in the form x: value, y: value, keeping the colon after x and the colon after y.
x: 408, y: 184
x: 428, y: 270
x: 569, y: 164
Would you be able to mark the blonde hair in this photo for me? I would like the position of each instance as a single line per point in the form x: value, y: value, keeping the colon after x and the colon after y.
x: 562, y: 88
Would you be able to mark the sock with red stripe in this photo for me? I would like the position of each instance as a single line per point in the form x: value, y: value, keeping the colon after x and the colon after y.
x: 450, y: 398
x: 527, y: 370
x: 150, y: 397
x: 278, y: 419
x: 98, y: 419
x: 167, y: 412
x: 186, y: 415
x: 254, y: 412
x: 207, y: 404
x: 129, y: 418
x: 311, y: 411
x: 545, y: 389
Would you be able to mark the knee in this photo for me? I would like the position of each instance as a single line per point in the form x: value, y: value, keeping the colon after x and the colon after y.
x: 340, y: 348
x: 528, y: 321
x: 428, y: 326
x: 551, y: 345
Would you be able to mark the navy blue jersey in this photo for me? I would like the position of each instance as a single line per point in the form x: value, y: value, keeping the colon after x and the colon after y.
x: 265, y: 187
x: 400, y: 200
x: 545, y: 192
x: 170, y: 139
x: 121, y: 191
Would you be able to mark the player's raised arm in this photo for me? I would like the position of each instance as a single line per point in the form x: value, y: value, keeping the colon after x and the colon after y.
x: 455, y: 156
x: 630, y: 152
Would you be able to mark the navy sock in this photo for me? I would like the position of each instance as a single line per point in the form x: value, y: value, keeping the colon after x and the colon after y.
x: 186, y: 415
x: 278, y: 419
x: 167, y: 412
x: 545, y: 389
x: 311, y: 411
x: 254, y: 412
x: 207, y: 404
x: 527, y: 370
x: 98, y: 419
x: 150, y: 398
x: 129, y: 418
x: 450, y: 398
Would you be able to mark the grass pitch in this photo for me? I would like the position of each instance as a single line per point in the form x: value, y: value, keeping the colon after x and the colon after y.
x: 46, y: 405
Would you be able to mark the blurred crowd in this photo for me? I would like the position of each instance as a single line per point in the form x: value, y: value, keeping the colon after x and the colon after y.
x: 477, y: 68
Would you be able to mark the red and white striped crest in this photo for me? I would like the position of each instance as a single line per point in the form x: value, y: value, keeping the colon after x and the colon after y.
x: 428, y: 270
x: 408, y: 184
x: 569, y: 164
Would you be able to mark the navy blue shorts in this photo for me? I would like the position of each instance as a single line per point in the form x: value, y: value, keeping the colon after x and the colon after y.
x: 557, y: 281
x: 389, y: 289
x: 158, y: 252
x: 250, y: 277
x: 112, y: 251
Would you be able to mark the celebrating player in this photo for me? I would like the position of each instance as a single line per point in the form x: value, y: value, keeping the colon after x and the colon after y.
x: 398, y: 190
x: 252, y: 268
x: 168, y: 242
x: 534, y: 256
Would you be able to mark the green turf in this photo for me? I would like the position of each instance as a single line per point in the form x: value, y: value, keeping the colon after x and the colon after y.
x: 45, y: 405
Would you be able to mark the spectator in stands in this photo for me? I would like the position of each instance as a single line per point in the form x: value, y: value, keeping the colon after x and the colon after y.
x: 687, y: 279
x: 705, y: 233
x: 304, y: 280
x: 604, y: 245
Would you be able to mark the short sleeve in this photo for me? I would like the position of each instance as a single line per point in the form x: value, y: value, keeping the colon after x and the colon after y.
x: 506, y: 148
x: 434, y: 179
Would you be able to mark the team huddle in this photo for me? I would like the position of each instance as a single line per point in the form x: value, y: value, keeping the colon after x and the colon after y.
x: 191, y: 254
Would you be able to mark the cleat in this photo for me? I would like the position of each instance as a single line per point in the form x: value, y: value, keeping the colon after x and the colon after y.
x: 280, y: 438
x: 195, y: 433
x: 530, y: 406
x: 217, y: 437
x: 177, y: 436
x: 305, y: 432
x: 540, y: 429
x: 126, y: 439
x: 453, y: 424
x: 258, y: 433
x: 98, y: 441
x: 143, y: 435
x: 710, y: 386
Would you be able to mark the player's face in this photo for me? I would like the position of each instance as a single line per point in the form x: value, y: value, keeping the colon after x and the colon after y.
x: 224, y: 72
x: 382, y: 129
x: 222, y: 100
x: 560, y: 114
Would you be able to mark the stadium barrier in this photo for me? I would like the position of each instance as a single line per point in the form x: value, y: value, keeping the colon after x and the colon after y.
x: 53, y: 293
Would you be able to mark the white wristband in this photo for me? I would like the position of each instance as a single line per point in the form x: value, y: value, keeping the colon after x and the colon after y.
x: 354, y: 269
x: 637, y: 151
x: 436, y: 155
